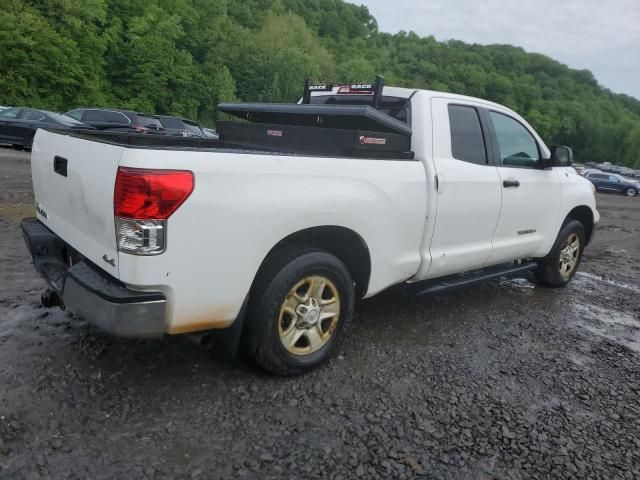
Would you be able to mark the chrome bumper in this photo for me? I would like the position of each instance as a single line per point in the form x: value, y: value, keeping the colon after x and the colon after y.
x: 90, y: 292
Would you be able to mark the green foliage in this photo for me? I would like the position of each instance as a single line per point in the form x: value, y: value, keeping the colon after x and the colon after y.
x: 186, y: 56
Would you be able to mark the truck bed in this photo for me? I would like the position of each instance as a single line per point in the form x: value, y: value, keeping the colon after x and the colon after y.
x: 245, y: 138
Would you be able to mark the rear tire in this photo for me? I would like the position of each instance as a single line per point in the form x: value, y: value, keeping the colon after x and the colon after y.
x: 561, y: 264
x: 302, y: 301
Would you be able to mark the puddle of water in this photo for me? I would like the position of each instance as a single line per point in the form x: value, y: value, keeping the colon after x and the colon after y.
x: 619, y: 327
x: 517, y: 282
x: 596, y: 278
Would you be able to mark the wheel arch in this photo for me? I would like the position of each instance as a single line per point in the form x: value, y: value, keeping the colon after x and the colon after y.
x: 344, y: 243
x: 585, y: 216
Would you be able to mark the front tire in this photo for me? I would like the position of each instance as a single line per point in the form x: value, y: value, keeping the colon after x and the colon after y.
x: 631, y: 192
x: 302, y: 301
x: 561, y: 264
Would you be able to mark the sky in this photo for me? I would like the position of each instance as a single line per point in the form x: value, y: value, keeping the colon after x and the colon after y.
x: 598, y: 35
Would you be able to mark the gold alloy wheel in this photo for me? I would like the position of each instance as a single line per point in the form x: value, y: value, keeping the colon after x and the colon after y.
x: 569, y: 254
x: 309, y: 315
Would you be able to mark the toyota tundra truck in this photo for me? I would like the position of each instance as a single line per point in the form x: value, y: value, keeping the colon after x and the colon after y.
x: 267, y: 236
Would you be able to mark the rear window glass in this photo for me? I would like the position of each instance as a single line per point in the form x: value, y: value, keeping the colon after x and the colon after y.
x: 62, y: 118
x: 396, y: 107
x: 10, y: 113
x: 467, y: 142
x: 105, y: 116
x: 171, y: 122
x: 145, y: 121
x: 32, y: 115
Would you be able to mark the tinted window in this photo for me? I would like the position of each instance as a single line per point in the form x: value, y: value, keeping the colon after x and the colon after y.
x: 171, y: 122
x: 77, y: 114
x: 613, y: 178
x: 599, y: 176
x: 32, y: 115
x: 467, y: 142
x: 105, y: 116
x: 63, y: 118
x: 10, y: 113
x: 149, y: 122
x: 517, y: 146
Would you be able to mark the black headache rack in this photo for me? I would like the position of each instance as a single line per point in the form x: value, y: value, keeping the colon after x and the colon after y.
x: 349, y: 130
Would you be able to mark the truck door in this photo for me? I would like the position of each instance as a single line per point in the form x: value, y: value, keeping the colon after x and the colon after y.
x: 530, y: 194
x: 468, y: 189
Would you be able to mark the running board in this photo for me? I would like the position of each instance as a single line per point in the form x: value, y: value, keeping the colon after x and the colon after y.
x: 456, y: 281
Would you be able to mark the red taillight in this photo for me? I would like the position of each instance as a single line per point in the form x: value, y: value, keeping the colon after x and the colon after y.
x: 145, y: 194
x: 139, y: 129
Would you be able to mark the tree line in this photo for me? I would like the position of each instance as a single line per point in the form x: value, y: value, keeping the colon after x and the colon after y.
x: 185, y: 56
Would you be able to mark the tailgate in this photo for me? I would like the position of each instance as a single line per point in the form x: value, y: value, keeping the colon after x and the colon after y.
x: 73, y: 181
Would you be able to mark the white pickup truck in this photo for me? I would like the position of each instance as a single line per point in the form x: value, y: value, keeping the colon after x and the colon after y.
x: 270, y: 234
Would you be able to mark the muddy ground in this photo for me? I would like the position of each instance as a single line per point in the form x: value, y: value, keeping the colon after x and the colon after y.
x: 501, y: 380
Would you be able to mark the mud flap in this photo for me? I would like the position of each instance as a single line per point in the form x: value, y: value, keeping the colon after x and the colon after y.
x: 226, y: 342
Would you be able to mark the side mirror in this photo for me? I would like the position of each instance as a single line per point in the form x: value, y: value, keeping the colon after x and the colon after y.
x: 561, y: 156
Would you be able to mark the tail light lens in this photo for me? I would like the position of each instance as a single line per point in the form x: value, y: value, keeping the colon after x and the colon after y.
x: 143, y: 201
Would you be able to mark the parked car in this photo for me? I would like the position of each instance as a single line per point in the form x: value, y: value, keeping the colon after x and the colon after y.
x: 339, y: 197
x: 18, y: 125
x: 3, y: 108
x: 181, y: 127
x: 613, y: 183
x: 116, y: 120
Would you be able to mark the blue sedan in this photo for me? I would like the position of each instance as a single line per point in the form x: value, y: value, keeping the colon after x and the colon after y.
x: 613, y: 183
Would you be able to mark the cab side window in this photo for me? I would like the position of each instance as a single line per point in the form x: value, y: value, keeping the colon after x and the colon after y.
x: 467, y: 141
x: 517, y: 146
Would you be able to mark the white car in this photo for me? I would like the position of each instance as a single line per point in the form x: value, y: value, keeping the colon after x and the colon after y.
x: 274, y: 234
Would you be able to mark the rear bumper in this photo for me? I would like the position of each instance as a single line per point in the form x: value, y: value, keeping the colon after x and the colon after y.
x: 90, y: 292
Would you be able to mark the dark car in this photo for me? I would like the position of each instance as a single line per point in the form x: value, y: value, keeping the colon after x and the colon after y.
x: 610, y: 182
x: 117, y: 120
x: 18, y: 125
x: 181, y: 127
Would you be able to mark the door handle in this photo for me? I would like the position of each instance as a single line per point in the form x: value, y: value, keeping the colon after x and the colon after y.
x: 60, y: 165
x: 510, y: 182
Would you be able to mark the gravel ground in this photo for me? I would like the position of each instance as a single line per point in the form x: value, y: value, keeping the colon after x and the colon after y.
x: 501, y: 380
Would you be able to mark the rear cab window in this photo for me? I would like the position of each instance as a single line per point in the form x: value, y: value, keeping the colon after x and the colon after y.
x: 467, y: 140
